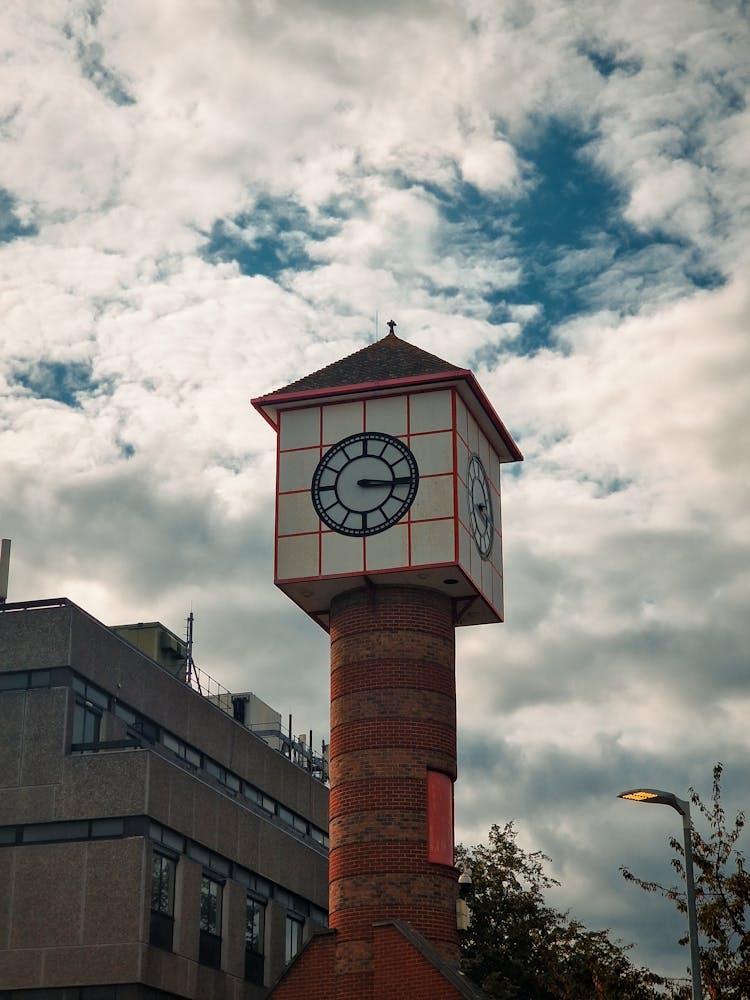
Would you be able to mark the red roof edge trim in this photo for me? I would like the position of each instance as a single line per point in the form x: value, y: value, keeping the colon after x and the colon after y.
x: 276, y: 398
x: 492, y: 413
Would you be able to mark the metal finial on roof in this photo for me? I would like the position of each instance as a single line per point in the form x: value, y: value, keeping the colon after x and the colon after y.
x: 390, y: 324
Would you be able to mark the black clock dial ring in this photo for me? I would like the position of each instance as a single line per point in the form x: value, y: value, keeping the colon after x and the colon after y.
x: 479, y: 497
x: 364, y: 484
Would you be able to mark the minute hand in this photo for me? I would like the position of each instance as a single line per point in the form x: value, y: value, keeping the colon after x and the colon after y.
x: 399, y: 481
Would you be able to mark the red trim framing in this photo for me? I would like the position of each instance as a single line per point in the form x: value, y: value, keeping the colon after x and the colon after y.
x: 276, y: 400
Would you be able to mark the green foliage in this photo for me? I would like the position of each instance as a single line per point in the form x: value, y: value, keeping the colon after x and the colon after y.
x: 722, y: 896
x: 519, y: 948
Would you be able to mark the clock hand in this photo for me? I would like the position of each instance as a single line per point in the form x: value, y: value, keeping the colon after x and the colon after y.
x: 399, y: 481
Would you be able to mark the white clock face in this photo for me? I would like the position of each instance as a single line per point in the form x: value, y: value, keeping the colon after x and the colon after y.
x: 364, y: 483
x: 481, y: 518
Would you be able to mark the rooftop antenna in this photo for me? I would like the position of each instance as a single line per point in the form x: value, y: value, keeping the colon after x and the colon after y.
x: 376, y: 324
x: 189, y: 644
x: 4, y: 568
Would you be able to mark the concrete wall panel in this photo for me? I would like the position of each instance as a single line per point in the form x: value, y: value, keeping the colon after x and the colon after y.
x: 27, y: 805
x: 111, y: 963
x: 112, y: 904
x: 21, y: 969
x: 11, y: 737
x: 40, y: 639
x: 44, y: 735
x: 48, y: 895
x: 103, y: 784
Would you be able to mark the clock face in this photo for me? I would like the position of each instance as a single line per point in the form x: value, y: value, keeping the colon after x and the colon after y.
x: 364, y: 483
x: 481, y: 518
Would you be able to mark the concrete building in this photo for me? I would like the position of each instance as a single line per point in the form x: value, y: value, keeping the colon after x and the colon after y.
x: 151, y: 845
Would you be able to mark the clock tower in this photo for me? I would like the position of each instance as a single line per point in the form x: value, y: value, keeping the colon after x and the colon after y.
x: 388, y: 536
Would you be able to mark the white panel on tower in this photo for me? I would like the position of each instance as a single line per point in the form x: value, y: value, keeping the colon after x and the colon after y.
x: 296, y: 469
x: 341, y: 554
x: 434, y: 498
x: 342, y: 419
x: 296, y: 514
x: 462, y: 464
x: 297, y: 556
x: 461, y: 418
x: 299, y: 428
x: 387, y: 415
x: 430, y: 411
x: 388, y: 549
x: 464, y: 547
x: 497, y: 592
x: 433, y: 452
x: 486, y: 574
x: 432, y: 542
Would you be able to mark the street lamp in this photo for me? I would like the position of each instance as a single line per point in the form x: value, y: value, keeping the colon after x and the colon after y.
x: 659, y: 797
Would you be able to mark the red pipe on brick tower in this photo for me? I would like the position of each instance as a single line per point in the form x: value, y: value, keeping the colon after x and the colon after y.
x: 393, y: 722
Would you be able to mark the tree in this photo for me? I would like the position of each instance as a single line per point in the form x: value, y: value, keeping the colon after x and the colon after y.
x: 722, y: 897
x: 519, y: 948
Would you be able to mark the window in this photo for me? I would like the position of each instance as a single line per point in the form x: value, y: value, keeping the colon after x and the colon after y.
x: 86, y: 723
x: 293, y: 937
x: 210, y: 922
x: 124, y: 713
x: 90, y: 692
x: 255, y: 919
x: 319, y: 836
x: 14, y: 682
x: 184, y: 750
x: 39, y: 832
x: 255, y: 795
x: 162, y: 901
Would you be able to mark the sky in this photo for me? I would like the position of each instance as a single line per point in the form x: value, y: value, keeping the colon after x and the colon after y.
x: 202, y: 202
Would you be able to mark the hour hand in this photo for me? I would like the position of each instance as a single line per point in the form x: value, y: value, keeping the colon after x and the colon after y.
x: 400, y: 480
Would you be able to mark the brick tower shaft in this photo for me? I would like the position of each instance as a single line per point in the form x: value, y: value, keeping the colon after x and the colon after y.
x: 393, y: 737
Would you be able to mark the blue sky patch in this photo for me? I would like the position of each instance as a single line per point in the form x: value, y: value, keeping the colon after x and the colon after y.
x: 63, y: 383
x: 11, y: 227
x: 268, y: 240
x: 576, y: 252
x: 607, y: 62
x: 90, y: 57
x: 104, y: 79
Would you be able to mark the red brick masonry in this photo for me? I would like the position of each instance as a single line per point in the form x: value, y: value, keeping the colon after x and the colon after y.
x: 393, y: 718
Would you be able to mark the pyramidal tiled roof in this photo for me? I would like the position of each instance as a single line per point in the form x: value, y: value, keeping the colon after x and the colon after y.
x: 385, y: 360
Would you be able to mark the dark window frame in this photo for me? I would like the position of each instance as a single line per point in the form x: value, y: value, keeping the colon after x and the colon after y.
x: 163, y: 880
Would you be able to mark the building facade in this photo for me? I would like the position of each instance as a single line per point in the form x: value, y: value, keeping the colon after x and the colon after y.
x: 151, y: 845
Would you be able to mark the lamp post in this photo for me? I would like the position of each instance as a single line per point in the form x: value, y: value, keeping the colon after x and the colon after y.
x: 659, y: 797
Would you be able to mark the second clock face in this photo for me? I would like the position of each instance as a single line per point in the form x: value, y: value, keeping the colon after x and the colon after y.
x: 364, y: 484
x: 481, y: 516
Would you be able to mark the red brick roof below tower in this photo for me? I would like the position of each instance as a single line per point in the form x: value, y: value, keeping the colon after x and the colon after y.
x: 386, y: 360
